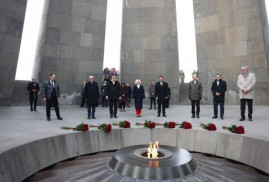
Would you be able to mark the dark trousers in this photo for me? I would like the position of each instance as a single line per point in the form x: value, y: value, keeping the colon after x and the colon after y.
x: 113, y: 105
x: 82, y: 101
x: 33, y: 102
x: 153, y: 101
x: 104, y: 101
x: 52, y: 102
x: 221, y: 103
x: 122, y: 105
x: 243, y: 107
x: 91, y: 110
x: 163, y: 105
x: 197, y: 104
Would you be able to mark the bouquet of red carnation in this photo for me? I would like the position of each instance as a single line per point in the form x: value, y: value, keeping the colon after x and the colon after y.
x: 209, y: 126
x: 105, y: 127
x: 170, y: 124
x: 185, y: 125
x: 81, y: 127
x: 123, y: 124
x: 235, y: 129
x: 148, y: 124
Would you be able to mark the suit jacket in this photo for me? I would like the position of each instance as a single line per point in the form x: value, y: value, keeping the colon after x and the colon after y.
x: 221, y: 88
x: 138, y: 96
x: 91, y: 91
x: 113, y: 91
x: 33, y: 86
x: 47, y: 89
x: 161, y: 92
x: 248, y: 83
x: 195, y: 91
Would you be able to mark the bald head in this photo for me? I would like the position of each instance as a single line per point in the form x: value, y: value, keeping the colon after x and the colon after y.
x: 91, y: 78
x: 244, y: 69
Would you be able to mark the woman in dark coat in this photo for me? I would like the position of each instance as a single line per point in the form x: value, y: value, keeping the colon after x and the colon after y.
x: 138, y: 96
x: 123, y: 95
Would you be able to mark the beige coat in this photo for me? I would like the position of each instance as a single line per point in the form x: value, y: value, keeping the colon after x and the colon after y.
x: 248, y: 83
x: 195, y: 91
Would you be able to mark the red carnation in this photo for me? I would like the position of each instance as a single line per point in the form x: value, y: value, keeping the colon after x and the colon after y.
x: 151, y: 125
x: 187, y: 125
x: 108, y: 128
x: 240, y: 130
x: 85, y: 127
x: 171, y: 124
x: 127, y: 124
x: 212, y: 127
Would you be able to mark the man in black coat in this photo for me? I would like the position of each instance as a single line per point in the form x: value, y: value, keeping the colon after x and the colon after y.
x: 219, y: 88
x: 91, y: 91
x: 33, y: 88
x: 161, y: 91
x: 51, y: 94
x: 113, y: 95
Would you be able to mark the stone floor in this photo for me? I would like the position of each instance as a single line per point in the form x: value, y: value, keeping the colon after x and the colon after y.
x: 18, y: 124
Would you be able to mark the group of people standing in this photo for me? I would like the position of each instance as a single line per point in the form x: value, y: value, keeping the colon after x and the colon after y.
x: 120, y: 94
x: 115, y: 93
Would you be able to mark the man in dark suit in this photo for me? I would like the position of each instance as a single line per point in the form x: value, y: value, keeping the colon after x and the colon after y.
x: 51, y: 94
x: 33, y: 88
x: 113, y: 95
x: 161, y: 91
x: 219, y: 88
x: 91, y: 91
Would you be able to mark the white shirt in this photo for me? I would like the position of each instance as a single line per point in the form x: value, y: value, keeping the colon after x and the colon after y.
x: 138, y: 86
x: 161, y: 83
x: 218, y: 82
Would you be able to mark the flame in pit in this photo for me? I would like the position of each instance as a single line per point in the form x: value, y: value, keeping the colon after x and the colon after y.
x: 153, y: 150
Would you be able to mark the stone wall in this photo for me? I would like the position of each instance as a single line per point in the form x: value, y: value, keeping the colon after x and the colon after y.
x: 229, y: 34
x: 149, y: 43
x: 12, y: 13
x: 74, y: 44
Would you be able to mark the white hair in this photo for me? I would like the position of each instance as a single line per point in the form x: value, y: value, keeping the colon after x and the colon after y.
x: 244, y: 67
x: 137, y: 80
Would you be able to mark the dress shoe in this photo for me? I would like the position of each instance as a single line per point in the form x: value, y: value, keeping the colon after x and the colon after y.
x: 115, y: 116
x: 250, y: 119
x: 93, y: 117
x: 214, y: 117
x: 89, y: 117
x: 198, y: 116
x: 31, y: 109
x: 192, y: 116
x: 222, y: 118
x: 150, y: 108
x: 48, y: 119
x: 242, y: 119
x: 35, y: 110
x: 59, y: 118
x: 164, y: 115
x: 111, y: 116
x: 158, y: 115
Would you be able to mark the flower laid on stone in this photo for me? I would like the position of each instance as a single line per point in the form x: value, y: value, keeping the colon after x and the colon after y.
x: 81, y: 127
x: 185, y: 125
x: 235, y: 129
x: 123, y: 124
x: 209, y: 126
x: 170, y: 124
x: 148, y: 124
x: 105, y: 127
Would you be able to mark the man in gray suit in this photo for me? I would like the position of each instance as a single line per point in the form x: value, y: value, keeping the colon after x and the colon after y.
x: 195, y: 91
x: 51, y: 94
x: 246, y: 82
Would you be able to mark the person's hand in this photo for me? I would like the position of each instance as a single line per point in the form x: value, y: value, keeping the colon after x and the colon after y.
x: 166, y: 97
x: 156, y: 98
x: 190, y: 97
x: 106, y: 97
x: 245, y: 90
x: 217, y: 94
x: 123, y: 95
x: 44, y: 99
x: 120, y: 98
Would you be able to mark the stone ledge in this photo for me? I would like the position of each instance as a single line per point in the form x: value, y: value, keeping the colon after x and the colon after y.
x: 24, y: 160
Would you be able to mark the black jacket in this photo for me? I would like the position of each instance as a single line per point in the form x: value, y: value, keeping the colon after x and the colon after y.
x: 113, y: 91
x: 221, y: 88
x: 161, y: 92
x: 91, y: 91
x: 47, y: 89
x: 33, y: 86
